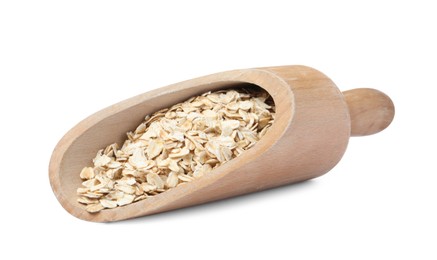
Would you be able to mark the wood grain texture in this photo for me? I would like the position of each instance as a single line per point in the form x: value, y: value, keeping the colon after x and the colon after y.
x: 371, y: 110
x: 308, y: 138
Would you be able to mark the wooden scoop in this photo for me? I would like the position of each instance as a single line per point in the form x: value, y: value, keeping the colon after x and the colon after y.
x: 313, y: 123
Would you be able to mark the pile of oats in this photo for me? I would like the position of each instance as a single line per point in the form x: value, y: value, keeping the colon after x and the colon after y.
x: 176, y: 145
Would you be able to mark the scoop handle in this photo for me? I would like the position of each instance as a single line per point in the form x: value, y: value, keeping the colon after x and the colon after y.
x: 371, y: 111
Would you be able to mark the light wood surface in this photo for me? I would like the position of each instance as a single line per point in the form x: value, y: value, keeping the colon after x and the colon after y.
x: 371, y: 111
x: 307, y: 139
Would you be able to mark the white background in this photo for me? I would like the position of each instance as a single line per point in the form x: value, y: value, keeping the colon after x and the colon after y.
x: 61, y: 61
